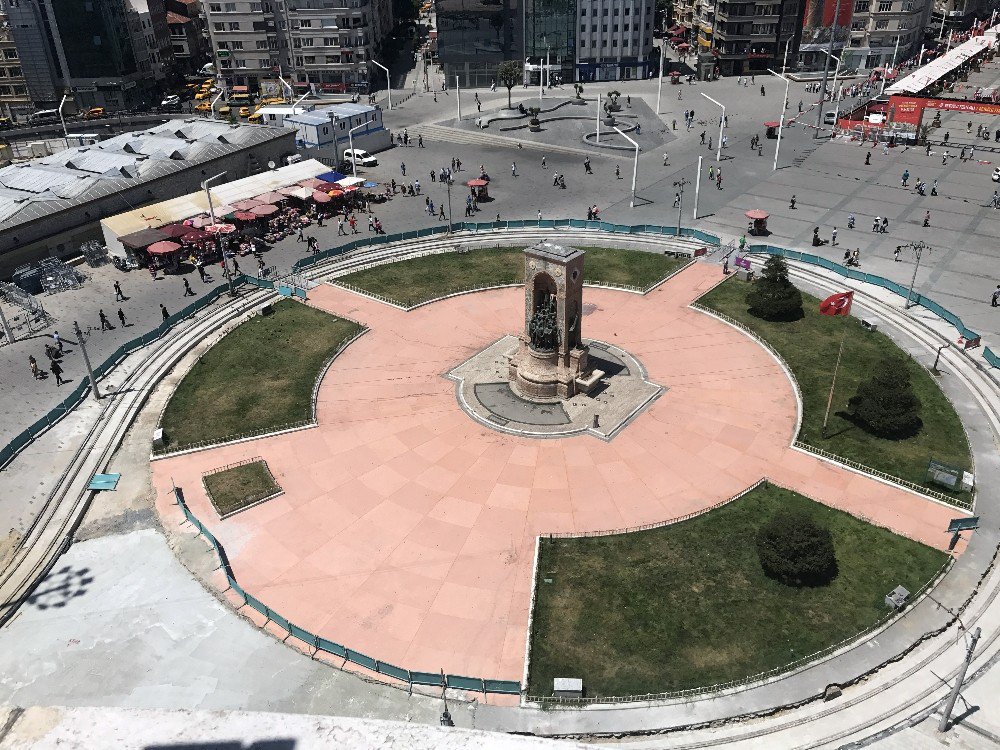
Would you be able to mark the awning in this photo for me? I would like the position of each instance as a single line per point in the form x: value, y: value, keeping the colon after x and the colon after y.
x: 142, y: 238
x: 350, y: 181
x: 162, y: 247
x: 312, y: 182
x: 320, y: 197
x: 247, y: 205
x: 756, y: 214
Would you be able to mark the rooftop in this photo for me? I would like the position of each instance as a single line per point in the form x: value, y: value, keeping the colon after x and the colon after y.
x: 35, y: 189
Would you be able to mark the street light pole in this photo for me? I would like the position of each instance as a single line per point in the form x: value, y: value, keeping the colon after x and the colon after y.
x: 458, y: 98
x: 959, y: 679
x: 350, y: 140
x: 388, y: 81
x: 635, y: 162
x: 679, y: 184
x: 826, y: 71
x: 659, y: 83
x: 86, y: 360
x: 918, y: 249
x: 449, y: 203
x: 697, y: 191
x: 781, y: 121
x: 836, y: 72
x: 722, y: 122
x: 218, y: 239
x: 63, y: 120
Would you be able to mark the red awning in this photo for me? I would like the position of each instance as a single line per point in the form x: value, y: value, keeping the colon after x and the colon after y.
x: 163, y: 247
x: 756, y: 214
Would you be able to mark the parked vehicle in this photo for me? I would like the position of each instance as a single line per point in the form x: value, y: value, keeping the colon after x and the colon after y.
x: 360, y: 157
x: 203, y: 107
x: 244, y: 111
x: 830, y: 118
x: 94, y: 113
x: 170, y: 100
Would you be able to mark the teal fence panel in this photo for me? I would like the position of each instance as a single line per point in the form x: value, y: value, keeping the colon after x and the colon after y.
x: 238, y: 589
x: 466, y: 683
x: 330, y: 647
x: 623, y: 229
x: 279, y: 620
x: 257, y: 604
x: 356, y: 657
x: 578, y: 223
x: 302, y: 634
x: 545, y: 224
x: 392, y: 671
x: 508, y: 687
x: 425, y: 232
x: 426, y: 678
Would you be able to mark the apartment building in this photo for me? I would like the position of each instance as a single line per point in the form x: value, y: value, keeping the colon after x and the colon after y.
x: 188, y: 37
x: 735, y: 37
x: 615, y: 39
x: 883, y: 31
x: 14, y: 101
x: 151, y: 38
x: 328, y: 44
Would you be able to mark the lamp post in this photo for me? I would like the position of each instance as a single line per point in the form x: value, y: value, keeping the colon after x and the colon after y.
x: 918, y: 249
x: 885, y: 75
x: 722, y: 122
x: 697, y: 192
x: 826, y: 70
x: 350, y: 140
x: 449, y: 181
x: 781, y: 121
x: 635, y: 162
x: 458, y: 97
x: 659, y: 83
x: 86, y: 360
x: 62, y: 120
x: 214, y: 102
x: 836, y: 72
x: 218, y: 240
x: 959, y: 679
x: 679, y: 184
x: 388, y: 81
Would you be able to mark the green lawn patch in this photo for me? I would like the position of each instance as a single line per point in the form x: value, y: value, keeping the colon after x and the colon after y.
x: 410, y: 282
x: 687, y: 605
x: 237, y: 488
x: 258, y: 378
x: 809, y: 347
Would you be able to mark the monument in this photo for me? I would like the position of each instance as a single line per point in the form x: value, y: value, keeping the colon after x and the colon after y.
x: 551, y: 361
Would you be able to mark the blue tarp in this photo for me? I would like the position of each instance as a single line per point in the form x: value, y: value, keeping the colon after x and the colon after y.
x: 330, y: 176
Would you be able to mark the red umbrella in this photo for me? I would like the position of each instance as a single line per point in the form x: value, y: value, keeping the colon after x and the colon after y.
x: 320, y: 197
x: 196, y: 235
x: 163, y: 247
x: 175, y: 230
x: 221, y: 228
x: 245, y: 215
x: 271, y: 197
x: 265, y: 210
x: 477, y: 183
x: 327, y: 186
x: 756, y: 214
x: 772, y: 124
x: 248, y: 205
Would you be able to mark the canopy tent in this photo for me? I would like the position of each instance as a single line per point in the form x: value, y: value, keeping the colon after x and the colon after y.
x: 477, y: 183
x: 247, y: 205
x: 312, y: 182
x: 937, y: 69
x: 221, y: 228
x: 173, y: 231
x: 195, y: 235
x: 756, y: 214
x: 245, y: 215
x: 330, y: 176
x: 347, y: 182
x: 162, y: 247
x: 320, y: 197
x: 772, y: 124
x: 142, y: 238
x: 325, y: 186
x: 296, y: 191
x: 199, y: 222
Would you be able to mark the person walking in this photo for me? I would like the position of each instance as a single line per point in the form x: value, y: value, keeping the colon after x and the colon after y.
x: 762, y: 90
x: 791, y: 203
x: 163, y: 312
x: 833, y: 237
x: 302, y: 236
x: 513, y: 169
x: 927, y: 218
x: 58, y: 341
x: 353, y: 222
x: 105, y: 323
x: 441, y: 216
x: 895, y: 254
x: 340, y: 226
x: 718, y: 179
x: 121, y: 318
x: 201, y: 271
x: 188, y: 291
x: 876, y: 223
x: 402, y: 168
x: 906, y: 177
x: 420, y: 141
x: 885, y: 224
x: 995, y: 299
x: 57, y: 370
x: 371, y: 223
x: 711, y: 173
x: 539, y: 214
x: 618, y: 172
x: 586, y: 166
x: 543, y: 162
x: 868, y: 159
x: 33, y: 363
x: 119, y: 294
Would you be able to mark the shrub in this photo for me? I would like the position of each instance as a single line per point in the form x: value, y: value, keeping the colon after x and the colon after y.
x: 885, y: 404
x: 773, y: 296
x: 796, y: 551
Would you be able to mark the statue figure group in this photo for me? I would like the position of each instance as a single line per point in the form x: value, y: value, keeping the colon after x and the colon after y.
x: 543, y: 328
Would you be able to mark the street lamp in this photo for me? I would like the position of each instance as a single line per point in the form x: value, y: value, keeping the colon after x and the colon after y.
x: 214, y: 102
x: 388, y: 81
x: 448, y: 182
x: 659, y: 83
x: 635, y: 162
x: 86, y: 360
x: 722, y: 122
x: 62, y: 120
x: 679, y: 184
x: 918, y: 249
x: 781, y: 122
x: 350, y: 140
x: 218, y: 240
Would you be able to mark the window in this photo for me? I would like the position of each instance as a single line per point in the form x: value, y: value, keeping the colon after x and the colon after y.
x: 614, y: 27
x: 305, y: 23
x: 332, y: 59
x: 237, y: 45
x: 604, y: 42
x: 583, y: 44
x: 240, y: 62
x: 215, y: 7
x: 884, y: 6
x: 298, y: 61
x: 266, y: 64
x: 331, y: 41
x: 908, y: 6
x: 256, y: 7
x: 307, y: 42
x: 593, y: 28
x: 222, y: 45
x: 218, y: 27
x: 903, y: 24
x: 310, y: 59
x: 604, y: 12
x: 858, y: 25
x: 616, y: 11
x: 604, y: 28
x: 583, y: 13
x: 262, y: 44
x: 97, y: 41
x: 583, y: 28
x: 296, y: 42
x: 879, y: 25
x: 614, y: 42
x: 229, y: 7
x: 628, y: 11
x: 627, y: 27
x: 862, y: 6
x: 234, y: 25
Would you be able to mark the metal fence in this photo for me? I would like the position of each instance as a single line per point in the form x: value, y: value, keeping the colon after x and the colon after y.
x: 320, y: 644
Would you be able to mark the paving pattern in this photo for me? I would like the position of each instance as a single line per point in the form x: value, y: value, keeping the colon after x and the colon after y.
x: 407, y: 530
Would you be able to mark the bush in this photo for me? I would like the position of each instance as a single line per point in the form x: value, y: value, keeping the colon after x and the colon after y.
x: 773, y: 296
x: 885, y: 404
x: 796, y: 551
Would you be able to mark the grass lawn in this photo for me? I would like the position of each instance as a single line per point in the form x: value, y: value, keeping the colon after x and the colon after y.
x: 688, y: 605
x: 240, y: 486
x: 411, y: 282
x: 809, y: 346
x: 258, y: 377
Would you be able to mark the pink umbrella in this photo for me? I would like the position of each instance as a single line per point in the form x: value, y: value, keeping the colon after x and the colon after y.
x: 245, y: 216
x: 196, y: 235
x: 265, y: 210
x: 270, y: 197
x: 248, y: 205
x: 221, y: 228
x: 199, y: 222
x: 162, y: 247
x: 320, y: 197
x: 312, y: 182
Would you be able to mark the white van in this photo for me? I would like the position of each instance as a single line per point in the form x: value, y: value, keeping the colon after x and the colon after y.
x: 43, y: 116
x: 830, y: 118
x: 360, y: 157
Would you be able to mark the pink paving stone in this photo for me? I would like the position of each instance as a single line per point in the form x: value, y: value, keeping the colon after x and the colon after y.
x: 407, y: 530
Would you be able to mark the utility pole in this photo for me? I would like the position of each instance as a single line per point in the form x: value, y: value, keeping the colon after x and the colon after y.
x: 679, y: 184
x: 918, y: 249
x: 86, y: 361
x: 826, y: 71
x: 959, y: 679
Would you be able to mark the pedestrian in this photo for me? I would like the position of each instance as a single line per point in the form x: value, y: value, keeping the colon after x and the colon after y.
x: 33, y: 364
x: 513, y: 169
x: 353, y: 221
x: 420, y: 141
x: 927, y: 218
x: 800, y: 106
x: 833, y: 237
x: 664, y: 158
x: 58, y: 341
x: 119, y: 294
x: 618, y: 172
x: 876, y: 223
x: 57, y: 371
x: 944, y: 158
x: 868, y: 159
x: 163, y: 312
x: 885, y: 224
x: 188, y: 292
x: 302, y: 236
x: 895, y: 254
x: 856, y: 257
x: 711, y: 172
x: 539, y: 214
x: 121, y: 317
x: 586, y: 166
x: 433, y: 176
x: 441, y: 216
x: 200, y: 269
x: 105, y: 323
x: 718, y: 179
x: 236, y: 268
x: 371, y: 223
x: 762, y: 90
x: 906, y: 176
x: 340, y: 226
x: 543, y: 162
x: 995, y: 299
x: 402, y: 168
x: 677, y: 200
x: 702, y: 137
x: 791, y: 203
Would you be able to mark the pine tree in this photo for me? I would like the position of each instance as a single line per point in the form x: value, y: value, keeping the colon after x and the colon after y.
x: 773, y: 296
x: 885, y: 404
x: 796, y: 551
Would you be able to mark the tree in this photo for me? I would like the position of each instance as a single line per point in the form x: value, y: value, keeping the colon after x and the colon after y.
x: 795, y: 550
x: 885, y: 404
x: 773, y: 296
x: 509, y: 74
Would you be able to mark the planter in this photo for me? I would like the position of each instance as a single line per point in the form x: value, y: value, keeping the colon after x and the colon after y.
x: 579, y: 101
x: 609, y: 121
x: 534, y: 126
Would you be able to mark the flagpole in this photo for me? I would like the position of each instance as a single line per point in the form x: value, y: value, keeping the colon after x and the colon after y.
x: 833, y: 384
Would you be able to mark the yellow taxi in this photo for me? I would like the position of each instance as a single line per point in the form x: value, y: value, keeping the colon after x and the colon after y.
x: 201, y: 96
x: 93, y: 113
x: 255, y: 118
x: 244, y: 111
x: 272, y: 100
x: 208, y: 82
x: 225, y: 109
x: 203, y: 107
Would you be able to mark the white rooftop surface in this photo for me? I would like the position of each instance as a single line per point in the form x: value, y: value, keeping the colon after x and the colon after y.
x: 924, y: 76
x: 186, y: 206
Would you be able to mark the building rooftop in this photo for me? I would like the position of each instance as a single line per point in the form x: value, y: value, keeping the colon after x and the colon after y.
x: 34, y: 189
x: 349, y: 110
x: 177, y: 18
x: 310, y: 118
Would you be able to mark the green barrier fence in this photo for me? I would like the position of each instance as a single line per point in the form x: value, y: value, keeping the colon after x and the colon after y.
x: 508, y: 687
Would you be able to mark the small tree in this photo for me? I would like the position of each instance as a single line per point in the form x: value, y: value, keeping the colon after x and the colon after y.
x: 795, y: 550
x: 885, y: 404
x: 578, y: 88
x: 773, y: 296
x: 509, y: 74
x: 613, y: 98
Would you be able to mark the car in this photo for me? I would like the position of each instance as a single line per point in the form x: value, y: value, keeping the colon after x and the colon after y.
x: 94, y: 113
x: 201, y: 96
x: 6, y: 123
x: 225, y: 109
x: 207, y: 70
x: 360, y: 157
x: 255, y: 118
x: 272, y: 100
x: 244, y: 111
x: 830, y: 118
x: 171, y: 100
x: 203, y: 107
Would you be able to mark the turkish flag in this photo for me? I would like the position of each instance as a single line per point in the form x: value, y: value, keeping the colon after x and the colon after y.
x: 837, y: 304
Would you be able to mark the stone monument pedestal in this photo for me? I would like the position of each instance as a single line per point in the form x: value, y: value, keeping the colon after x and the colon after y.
x: 544, y: 376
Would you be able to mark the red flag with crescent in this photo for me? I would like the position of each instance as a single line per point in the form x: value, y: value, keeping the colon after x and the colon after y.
x: 837, y: 304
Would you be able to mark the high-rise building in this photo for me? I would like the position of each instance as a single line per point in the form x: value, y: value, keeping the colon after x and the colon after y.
x: 14, y: 100
x: 151, y: 37
x: 615, y: 39
x: 83, y: 48
x: 735, y: 37
x: 188, y: 37
x: 883, y: 31
x: 329, y: 43
x: 475, y: 36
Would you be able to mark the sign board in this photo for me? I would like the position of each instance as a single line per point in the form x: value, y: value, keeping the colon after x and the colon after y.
x: 963, y: 524
x: 222, y: 54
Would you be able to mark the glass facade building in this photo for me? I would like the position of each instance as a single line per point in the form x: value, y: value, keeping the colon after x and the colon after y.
x: 475, y: 36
